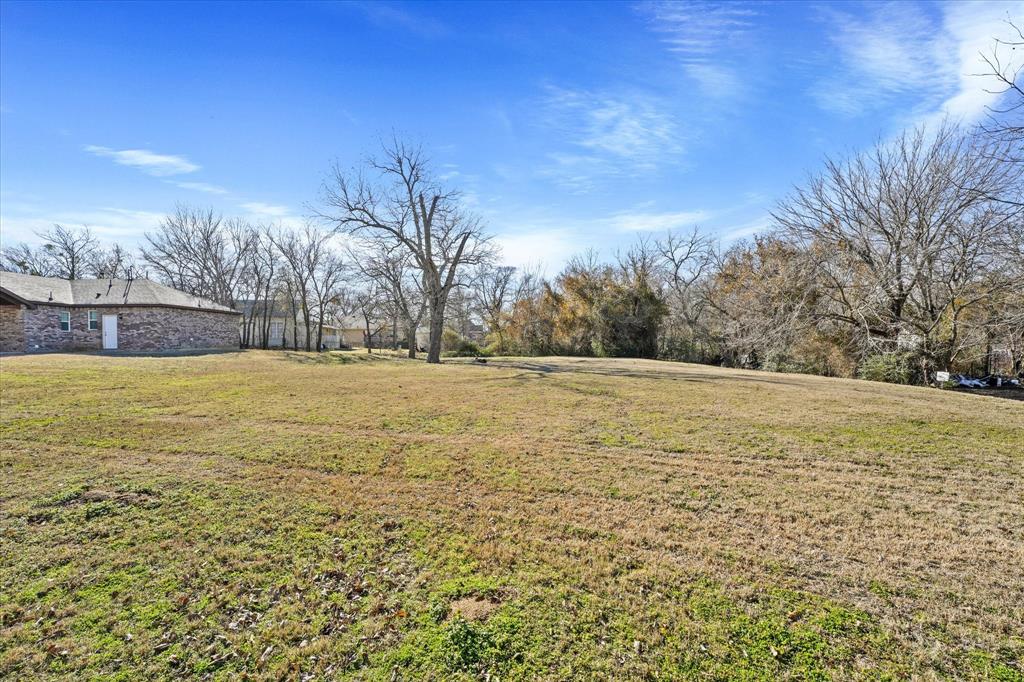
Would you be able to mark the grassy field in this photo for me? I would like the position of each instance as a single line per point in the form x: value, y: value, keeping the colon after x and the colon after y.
x: 292, y: 516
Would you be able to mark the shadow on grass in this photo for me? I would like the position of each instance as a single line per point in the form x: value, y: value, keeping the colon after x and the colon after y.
x: 540, y: 370
x: 574, y: 365
x: 338, y: 358
x: 320, y: 358
x: 1004, y: 393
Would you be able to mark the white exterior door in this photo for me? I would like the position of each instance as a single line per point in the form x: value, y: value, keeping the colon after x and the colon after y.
x: 110, y: 332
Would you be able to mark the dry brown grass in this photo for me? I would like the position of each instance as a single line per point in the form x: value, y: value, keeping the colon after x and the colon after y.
x: 618, y: 518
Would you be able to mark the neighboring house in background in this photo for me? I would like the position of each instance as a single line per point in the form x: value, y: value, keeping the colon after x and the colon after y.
x: 342, y: 332
x: 280, y: 328
x: 382, y: 334
x: 353, y: 331
x: 476, y: 333
x: 51, y: 314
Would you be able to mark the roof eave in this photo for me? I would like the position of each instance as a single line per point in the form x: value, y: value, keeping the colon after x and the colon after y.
x: 14, y: 297
x: 101, y: 304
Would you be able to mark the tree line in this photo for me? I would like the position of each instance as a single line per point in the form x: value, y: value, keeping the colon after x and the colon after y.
x: 898, y: 261
x: 894, y: 263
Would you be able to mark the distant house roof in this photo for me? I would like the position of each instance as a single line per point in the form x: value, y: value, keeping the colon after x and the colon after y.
x: 33, y: 290
x: 352, y: 322
x: 281, y: 311
x: 249, y: 304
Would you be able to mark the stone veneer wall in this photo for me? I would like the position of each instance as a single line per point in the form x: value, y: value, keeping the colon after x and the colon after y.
x: 12, y: 329
x: 150, y: 329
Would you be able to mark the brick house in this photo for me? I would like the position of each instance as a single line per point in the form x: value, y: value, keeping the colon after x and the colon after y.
x: 40, y: 314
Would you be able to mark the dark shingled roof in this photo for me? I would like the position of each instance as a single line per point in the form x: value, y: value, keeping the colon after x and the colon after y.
x: 100, y: 292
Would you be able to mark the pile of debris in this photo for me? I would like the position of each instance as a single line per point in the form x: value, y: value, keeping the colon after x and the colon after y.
x: 950, y: 380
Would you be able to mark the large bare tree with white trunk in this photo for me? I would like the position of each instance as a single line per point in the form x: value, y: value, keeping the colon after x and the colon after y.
x: 398, y: 200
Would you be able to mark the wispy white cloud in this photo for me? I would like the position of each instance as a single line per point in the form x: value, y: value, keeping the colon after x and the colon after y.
x: 608, y: 133
x: 449, y: 171
x: 716, y: 80
x: 632, y: 127
x: 548, y: 248
x: 108, y: 223
x: 575, y: 172
x: 201, y: 187
x: 145, y: 160
x: 892, y: 49
x: 390, y: 16
x: 972, y: 29
x: 901, y: 50
x: 634, y: 221
x: 260, y: 208
x: 259, y: 211
x: 706, y: 37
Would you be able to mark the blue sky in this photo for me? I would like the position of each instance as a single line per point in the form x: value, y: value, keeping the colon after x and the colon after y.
x: 567, y: 126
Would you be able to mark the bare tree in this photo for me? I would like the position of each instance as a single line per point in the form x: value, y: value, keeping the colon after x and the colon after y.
x: 763, y: 296
x: 327, y: 270
x: 685, y: 259
x: 259, y: 286
x: 1003, y: 65
x: 528, y: 284
x: 460, y: 313
x: 406, y: 206
x: 295, y: 247
x: 372, y: 304
x: 27, y: 260
x: 904, y: 235
x: 196, y: 250
x: 494, y: 290
x: 290, y: 291
x: 640, y: 262
x: 314, y: 277
x: 71, y: 254
x: 114, y: 262
x: 265, y: 265
x: 392, y: 269
x: 70, y: 249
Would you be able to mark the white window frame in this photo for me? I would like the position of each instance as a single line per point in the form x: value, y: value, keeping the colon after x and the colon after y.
x: 93, y: 318
x: 60, y: 320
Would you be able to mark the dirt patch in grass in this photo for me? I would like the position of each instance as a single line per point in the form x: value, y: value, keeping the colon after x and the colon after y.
x: 473, y: 608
